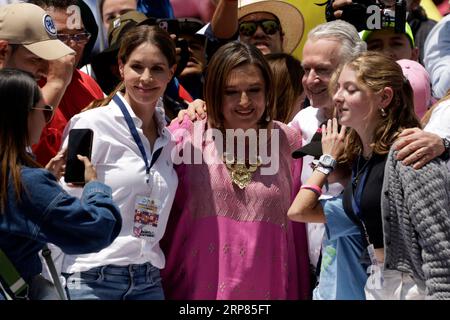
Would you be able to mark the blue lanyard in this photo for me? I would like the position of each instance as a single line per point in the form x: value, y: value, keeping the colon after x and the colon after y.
x: 137, y: 138
x: 356, y: 199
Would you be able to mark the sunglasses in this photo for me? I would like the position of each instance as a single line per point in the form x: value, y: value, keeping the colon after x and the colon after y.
x: 48, y: 112
x: 81, y: 37
x: 248, y: 28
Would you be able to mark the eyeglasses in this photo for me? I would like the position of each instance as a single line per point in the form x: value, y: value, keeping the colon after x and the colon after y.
x: 248, y: 28
x: 48, y: 112
x: 81, y: 37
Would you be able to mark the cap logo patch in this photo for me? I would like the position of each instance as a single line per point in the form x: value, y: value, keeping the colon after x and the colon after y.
x: 49, y: 25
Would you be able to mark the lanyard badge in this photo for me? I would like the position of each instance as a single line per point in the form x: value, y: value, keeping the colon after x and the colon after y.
x: 146, y: 209
x: 146, y: 217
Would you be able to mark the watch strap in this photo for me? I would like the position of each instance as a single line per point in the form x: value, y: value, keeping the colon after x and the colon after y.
x: 324, y: 170
x: 446, y: 154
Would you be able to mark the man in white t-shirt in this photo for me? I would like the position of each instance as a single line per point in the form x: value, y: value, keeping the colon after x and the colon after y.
x: 328, y: 45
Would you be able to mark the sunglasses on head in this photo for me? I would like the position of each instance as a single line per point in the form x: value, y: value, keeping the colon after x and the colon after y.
x: 248, y: 28
x: 77, y: 37
x: 48, y: 112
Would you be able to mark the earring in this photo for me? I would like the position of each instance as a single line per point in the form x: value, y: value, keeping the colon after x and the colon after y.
x: 267, y: 118
x: 383, y: 113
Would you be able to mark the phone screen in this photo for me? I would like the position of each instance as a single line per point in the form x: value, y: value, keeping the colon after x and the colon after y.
x: 80, y: 142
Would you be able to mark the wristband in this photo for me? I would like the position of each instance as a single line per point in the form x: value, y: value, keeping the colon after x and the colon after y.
x: 316, y: 189
x: 446, y: 154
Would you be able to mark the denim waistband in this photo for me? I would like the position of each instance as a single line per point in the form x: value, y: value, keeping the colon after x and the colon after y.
x: 135, y: 269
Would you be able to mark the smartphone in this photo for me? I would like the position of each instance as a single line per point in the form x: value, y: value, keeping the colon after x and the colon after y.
x: 80, y: 142
x: 170, y: 25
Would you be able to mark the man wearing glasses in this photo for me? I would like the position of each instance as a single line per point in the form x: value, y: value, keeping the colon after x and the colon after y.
x: 28, y: 41
x: 272, y: 26
x: 70, y: 17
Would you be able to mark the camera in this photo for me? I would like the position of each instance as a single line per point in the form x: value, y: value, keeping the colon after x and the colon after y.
x: 373, y: 14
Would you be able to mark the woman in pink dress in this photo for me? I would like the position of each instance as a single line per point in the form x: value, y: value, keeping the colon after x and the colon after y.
x: 228, y: 235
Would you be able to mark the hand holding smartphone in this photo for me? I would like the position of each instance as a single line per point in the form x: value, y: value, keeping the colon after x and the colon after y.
x: 80, y: 143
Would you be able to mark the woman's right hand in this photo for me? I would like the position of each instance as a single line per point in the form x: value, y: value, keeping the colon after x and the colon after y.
x: 333, y: 139
x: 196, y: 111
x: 89, y: 171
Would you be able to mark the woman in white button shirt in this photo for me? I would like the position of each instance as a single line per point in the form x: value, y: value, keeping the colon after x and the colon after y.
x: 131, y: 151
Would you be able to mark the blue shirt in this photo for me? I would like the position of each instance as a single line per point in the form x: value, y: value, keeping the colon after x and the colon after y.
x: 342, y: 277
x: 47, y: 213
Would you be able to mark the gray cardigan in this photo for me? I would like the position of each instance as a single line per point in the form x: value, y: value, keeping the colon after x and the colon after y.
x: 415, y: 207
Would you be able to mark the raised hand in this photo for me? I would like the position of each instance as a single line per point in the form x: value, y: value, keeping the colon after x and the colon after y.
x: 333, y: 139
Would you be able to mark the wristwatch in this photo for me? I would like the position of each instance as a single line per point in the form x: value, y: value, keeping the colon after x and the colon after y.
x: 446, y: 154
x: 325, y: 170
x: 327, y: 161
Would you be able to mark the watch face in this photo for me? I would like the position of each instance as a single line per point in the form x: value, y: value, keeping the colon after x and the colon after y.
x: 446, y: 144
x: 327, y: 161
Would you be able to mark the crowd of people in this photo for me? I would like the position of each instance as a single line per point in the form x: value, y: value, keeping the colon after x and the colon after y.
x: 222, y: 166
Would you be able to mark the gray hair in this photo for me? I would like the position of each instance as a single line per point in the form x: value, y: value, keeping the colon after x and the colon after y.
x: 339, y: 30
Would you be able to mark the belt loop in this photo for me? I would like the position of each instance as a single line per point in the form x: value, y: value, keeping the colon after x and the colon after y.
x: 130, y: 271
x: 101, y: 273
x: 148, y: 272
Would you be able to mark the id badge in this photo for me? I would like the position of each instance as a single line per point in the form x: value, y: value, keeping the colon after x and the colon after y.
x: 146, y: 217
x: 376, y: 279
x: 375, y: 271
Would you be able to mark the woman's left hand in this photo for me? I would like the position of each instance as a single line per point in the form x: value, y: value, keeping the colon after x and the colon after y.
x: 333, y: 139
x: 57, y: 165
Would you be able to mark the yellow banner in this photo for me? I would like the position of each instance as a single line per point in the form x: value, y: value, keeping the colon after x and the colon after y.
x: 431, y: 10
x: 313, y: 15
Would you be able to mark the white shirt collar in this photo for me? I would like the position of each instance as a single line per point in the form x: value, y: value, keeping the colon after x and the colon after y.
x: 159, y: 115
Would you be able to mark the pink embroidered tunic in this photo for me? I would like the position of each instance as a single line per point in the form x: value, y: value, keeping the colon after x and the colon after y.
x: 223, y: 242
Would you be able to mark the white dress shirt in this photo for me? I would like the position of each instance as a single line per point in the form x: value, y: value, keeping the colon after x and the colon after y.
x: 439, y: 122
x: 120, y: 165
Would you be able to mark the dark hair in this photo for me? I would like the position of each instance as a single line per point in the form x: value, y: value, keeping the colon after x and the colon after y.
x: 19, y: 92
x: 228, y: 57
x: 59, y: 4
x: 133, y: 39
x: 151, y: 34
x: 287, y: 74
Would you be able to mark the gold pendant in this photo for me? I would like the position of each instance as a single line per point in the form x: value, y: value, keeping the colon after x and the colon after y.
x: 240, y: 174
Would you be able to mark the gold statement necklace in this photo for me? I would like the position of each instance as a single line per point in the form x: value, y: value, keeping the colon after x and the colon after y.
x: 241, y: 173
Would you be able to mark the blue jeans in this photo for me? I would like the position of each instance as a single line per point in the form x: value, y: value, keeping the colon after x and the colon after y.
x: 132, y: 282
